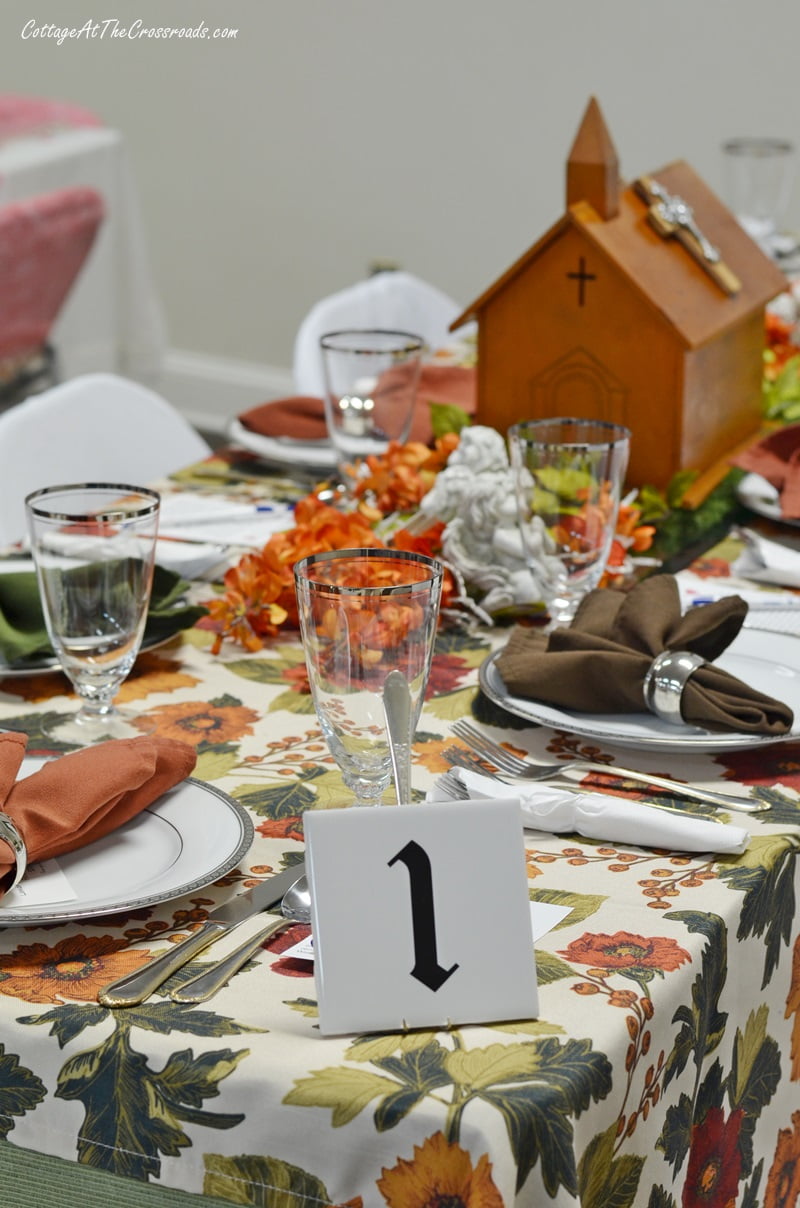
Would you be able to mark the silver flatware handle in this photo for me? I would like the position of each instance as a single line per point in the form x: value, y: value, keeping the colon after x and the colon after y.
x: 676, y: 787
x: 134, y: 988
x: 202, y: 987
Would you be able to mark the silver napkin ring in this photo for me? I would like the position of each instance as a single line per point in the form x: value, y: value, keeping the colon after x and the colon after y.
x: 13, y: 838
x: 665, y: 681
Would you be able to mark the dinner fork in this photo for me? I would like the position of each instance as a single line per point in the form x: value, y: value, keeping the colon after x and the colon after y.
x: 456, y: 790
x: 511, y: 765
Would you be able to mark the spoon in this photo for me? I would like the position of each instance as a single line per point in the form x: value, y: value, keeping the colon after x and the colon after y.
x: 295, y: 908
x: 397, y: 711
x: 296, y: 902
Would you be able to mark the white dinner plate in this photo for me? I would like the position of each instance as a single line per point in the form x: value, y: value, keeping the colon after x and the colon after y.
x: 300, y: 454
x: 762, y: 498
x: 186, y: 840
x: 769, y: 662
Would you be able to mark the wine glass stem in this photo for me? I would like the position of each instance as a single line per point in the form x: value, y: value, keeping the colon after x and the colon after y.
x: 96, y: 706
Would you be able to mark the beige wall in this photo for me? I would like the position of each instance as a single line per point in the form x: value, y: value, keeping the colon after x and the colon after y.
x: 274, y: 167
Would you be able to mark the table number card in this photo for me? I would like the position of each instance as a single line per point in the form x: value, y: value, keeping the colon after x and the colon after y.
x: 420, y: 916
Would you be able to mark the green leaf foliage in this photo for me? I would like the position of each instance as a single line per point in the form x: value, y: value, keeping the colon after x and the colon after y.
x: 538, y: 1113
x: 258, y: 671
x: 550, y: 968
x: 781, y: 397
x: 659, y: 1198
x: 20, y: 1091
x: 710, y: 1092
x: 582, y: 905
x: 677, y: 1132
x: 605, y: 1181
x: 345, y: 1092
x: 463, y: 642
x: 750, y: 1198
x: 446, y: 418
x: 292, y: 702
x: 133, y: 1115
x: 34, y: 726
x: 702, y: 1023
x: 539, y: 1129
x: 213, y: 764
x: 262, y: 1182
x: 681, y: 527
x: 450, y: 706
x: 529, y: 1027
x: 67, y: 1021
x: 384, y: 1044
x: 769, y: 899
x: 420, y: 1072
x: 167, y: 1016
x: 285, y: 800
x: 753, y: 1079
x: 304, y: 1006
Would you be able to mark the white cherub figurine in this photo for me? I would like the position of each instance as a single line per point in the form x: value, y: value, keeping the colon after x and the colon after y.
x: 474, y: 497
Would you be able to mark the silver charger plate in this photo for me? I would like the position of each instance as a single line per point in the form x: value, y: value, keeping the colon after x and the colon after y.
x: 308, y: 455
x: 762, y: 498
x: 186, y: 840
x: 768, y: 662
x: 41, y: 664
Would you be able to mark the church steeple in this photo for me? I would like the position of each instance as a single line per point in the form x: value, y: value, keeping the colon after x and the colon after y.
x: 592, y: 167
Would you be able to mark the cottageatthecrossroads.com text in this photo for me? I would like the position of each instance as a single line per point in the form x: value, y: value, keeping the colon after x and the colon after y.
x: 110, y: 28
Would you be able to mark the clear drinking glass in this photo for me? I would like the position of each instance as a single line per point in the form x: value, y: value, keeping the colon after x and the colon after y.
x: 94, y: 548
x: 760, y: 175
x: 364, y: 613
x: 568, y: 476
x: 371, y: 380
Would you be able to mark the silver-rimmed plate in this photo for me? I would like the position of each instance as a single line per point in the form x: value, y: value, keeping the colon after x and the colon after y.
x: 186, y: 840
x: 769, y: 662
x: 41, y: 664
x: 762, y: 498
x: 308, y: 455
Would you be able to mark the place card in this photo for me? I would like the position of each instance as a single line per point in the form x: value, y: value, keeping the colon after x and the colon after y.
x: 420, y: 916
x: 544, y: 917
x: 44, y: 882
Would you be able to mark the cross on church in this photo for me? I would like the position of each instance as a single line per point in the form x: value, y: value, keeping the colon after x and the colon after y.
x: 582, y: 277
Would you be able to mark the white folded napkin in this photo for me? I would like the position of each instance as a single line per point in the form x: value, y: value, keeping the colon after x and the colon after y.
x: 222, y: 521
x: 767, y: 561
x: 601, y: 816
x: 695, y: 590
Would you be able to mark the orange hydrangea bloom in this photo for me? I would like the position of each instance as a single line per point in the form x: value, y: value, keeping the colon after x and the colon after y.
x: 259, y: 595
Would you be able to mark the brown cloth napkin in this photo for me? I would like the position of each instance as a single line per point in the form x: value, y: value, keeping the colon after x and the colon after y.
x: 598, y: 663
x: 302, y: 417
x: 82, y: 796
x: 777, y: 458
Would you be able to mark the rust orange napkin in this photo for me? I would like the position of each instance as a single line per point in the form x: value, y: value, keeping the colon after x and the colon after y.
x: 777, y: 458
x: 82, y: 796
x: 599, y: 662
x: 302, y: 417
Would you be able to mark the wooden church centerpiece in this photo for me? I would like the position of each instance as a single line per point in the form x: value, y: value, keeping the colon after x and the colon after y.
x: 644, y: 305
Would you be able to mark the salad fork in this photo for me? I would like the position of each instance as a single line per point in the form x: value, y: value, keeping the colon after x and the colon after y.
x: 512, y: 765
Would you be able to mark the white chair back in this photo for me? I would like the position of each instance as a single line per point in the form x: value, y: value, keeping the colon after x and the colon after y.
x: 392, y: 300
x: 94, y: 428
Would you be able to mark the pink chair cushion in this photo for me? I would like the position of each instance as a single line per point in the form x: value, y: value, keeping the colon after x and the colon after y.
x: 34, y: 115
x: 44, y: 241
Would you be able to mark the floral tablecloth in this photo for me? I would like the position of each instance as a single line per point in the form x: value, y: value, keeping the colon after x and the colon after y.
x: 663, y: 1070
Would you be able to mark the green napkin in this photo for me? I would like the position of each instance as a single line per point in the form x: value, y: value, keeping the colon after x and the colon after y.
x: 22, y: 629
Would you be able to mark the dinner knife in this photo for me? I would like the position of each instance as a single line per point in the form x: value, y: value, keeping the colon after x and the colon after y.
x: 134, y: 988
